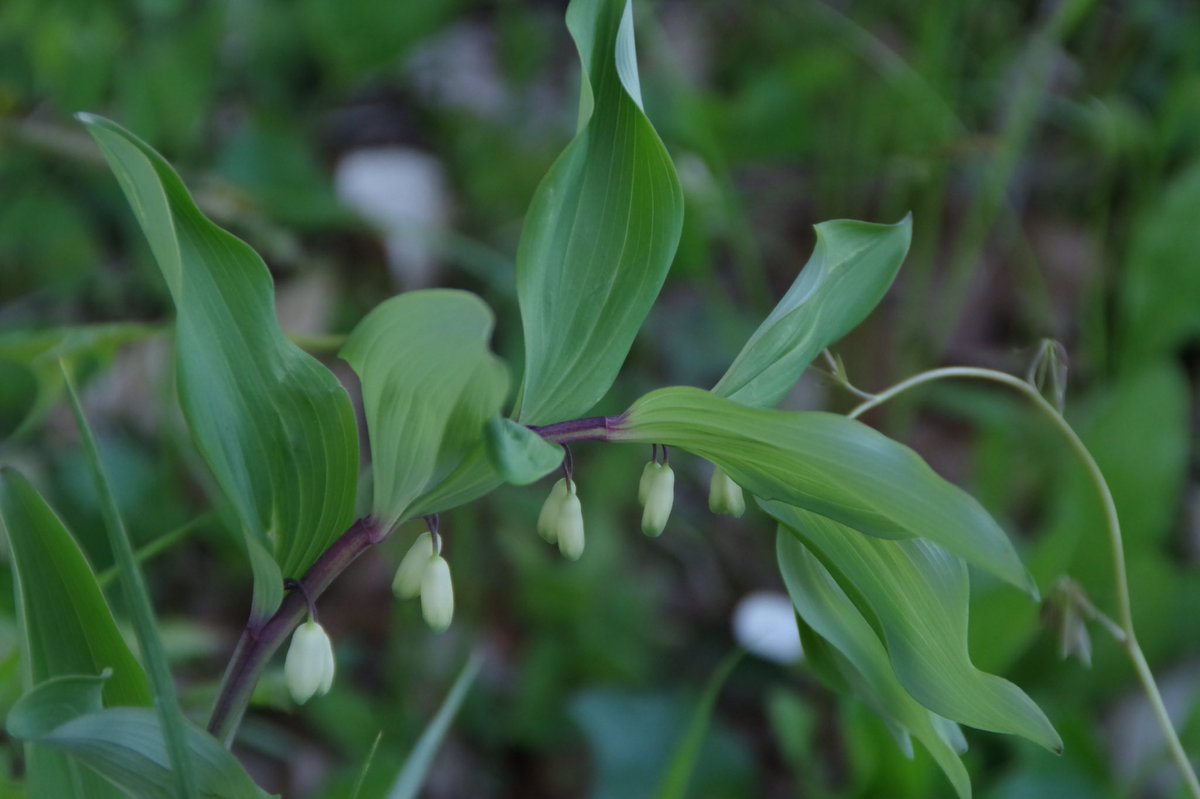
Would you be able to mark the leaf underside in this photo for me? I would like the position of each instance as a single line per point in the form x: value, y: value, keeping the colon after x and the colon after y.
x: 916, y: 595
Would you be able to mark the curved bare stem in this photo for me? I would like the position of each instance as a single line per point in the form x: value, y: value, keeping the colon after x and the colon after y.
x: 1121, y: 582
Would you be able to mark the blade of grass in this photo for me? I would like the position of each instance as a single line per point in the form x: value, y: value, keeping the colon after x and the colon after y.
x: 157, y: 546
x: 138, y: 600
x: 362, y: 775
x: 683, y: 763
x: 412, y: 776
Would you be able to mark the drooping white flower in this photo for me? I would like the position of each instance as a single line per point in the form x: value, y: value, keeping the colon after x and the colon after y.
x: 437, y: 594
x: 547, y: 524
x: 407, y: 583
x: 660, y: 496
x: 309, y: 667
x: 725, y: 496
x: 570, y: 525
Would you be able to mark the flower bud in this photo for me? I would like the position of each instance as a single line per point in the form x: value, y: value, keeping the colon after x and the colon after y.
x: 308, y: 669
x: 725, y: 496
x: 437, y: 594
x: 660, y: 496
x: 570, y: 526
x: 407, y: 583
x: 652, y: 468
x: 547, y: 524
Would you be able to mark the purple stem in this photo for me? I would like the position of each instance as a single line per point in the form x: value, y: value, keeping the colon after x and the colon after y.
x: 595, y: 428
x: 260, y: 640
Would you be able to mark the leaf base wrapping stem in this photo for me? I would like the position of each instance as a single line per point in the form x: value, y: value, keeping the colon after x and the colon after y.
x: 259, y: 642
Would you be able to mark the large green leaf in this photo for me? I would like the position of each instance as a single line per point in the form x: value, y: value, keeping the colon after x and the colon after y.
x: 273, y: 424
x: 918, y: 594
x: 600, y: 232
x: 850, y: 270
x: 828, y: 464
x: 125, y: 745
x: 429, y: 384
x: 66, y: 626
x: 859, y: 655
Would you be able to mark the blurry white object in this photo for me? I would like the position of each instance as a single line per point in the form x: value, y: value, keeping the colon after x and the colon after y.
x: 403, y: 193
x: 764, y: 623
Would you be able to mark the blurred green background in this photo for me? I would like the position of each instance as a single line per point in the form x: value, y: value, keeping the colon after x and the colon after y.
x: 1050, y: 154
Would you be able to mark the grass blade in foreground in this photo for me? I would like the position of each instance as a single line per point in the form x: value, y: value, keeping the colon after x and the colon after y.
x: 600, y: 232
x: 273, y: 424
x: 138, y: 600
x: 830, y: 465
x: 850, y: 270
x: 408, y: 783
x: 679, y: 771
x: 66, y: 628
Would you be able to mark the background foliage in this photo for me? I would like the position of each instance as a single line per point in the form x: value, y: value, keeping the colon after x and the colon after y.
x: 1049, y: 153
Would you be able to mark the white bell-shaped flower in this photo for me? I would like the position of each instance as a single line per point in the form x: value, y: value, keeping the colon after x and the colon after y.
x: 407, y: 583
x: 437, y: 594
x: 660, y: 496
x: 570, y: 525
x: 725, y: 496
x: 547, y: 524
x: 309, y: 667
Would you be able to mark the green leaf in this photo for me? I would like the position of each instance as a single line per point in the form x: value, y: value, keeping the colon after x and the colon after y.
x: 274, y: 425
x: 850, y: 270
x: 830, y: 465
x: 918, y: 595
x: 858, y: 655
x: 1160, y: 287
x: 66, y: 626
x: 687, y: 753
x: 37, y: 353
x: 410, y: 779
x: 520, y: 455
x: 125, y: 745
x: 54, y: 702
x: 600, y: 232
x: 429, y: 385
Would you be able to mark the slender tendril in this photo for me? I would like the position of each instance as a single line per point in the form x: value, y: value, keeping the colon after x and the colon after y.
x: 1124, y: 634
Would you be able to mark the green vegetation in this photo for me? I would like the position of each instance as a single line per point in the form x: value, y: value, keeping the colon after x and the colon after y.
x: 333, y: 282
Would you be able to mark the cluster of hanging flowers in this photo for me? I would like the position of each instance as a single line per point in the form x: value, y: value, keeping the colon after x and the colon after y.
x: 423, y: 572
x: 561, y: 519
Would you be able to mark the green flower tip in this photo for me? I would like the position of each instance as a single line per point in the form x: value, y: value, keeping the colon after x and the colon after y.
x: 725, y: 496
